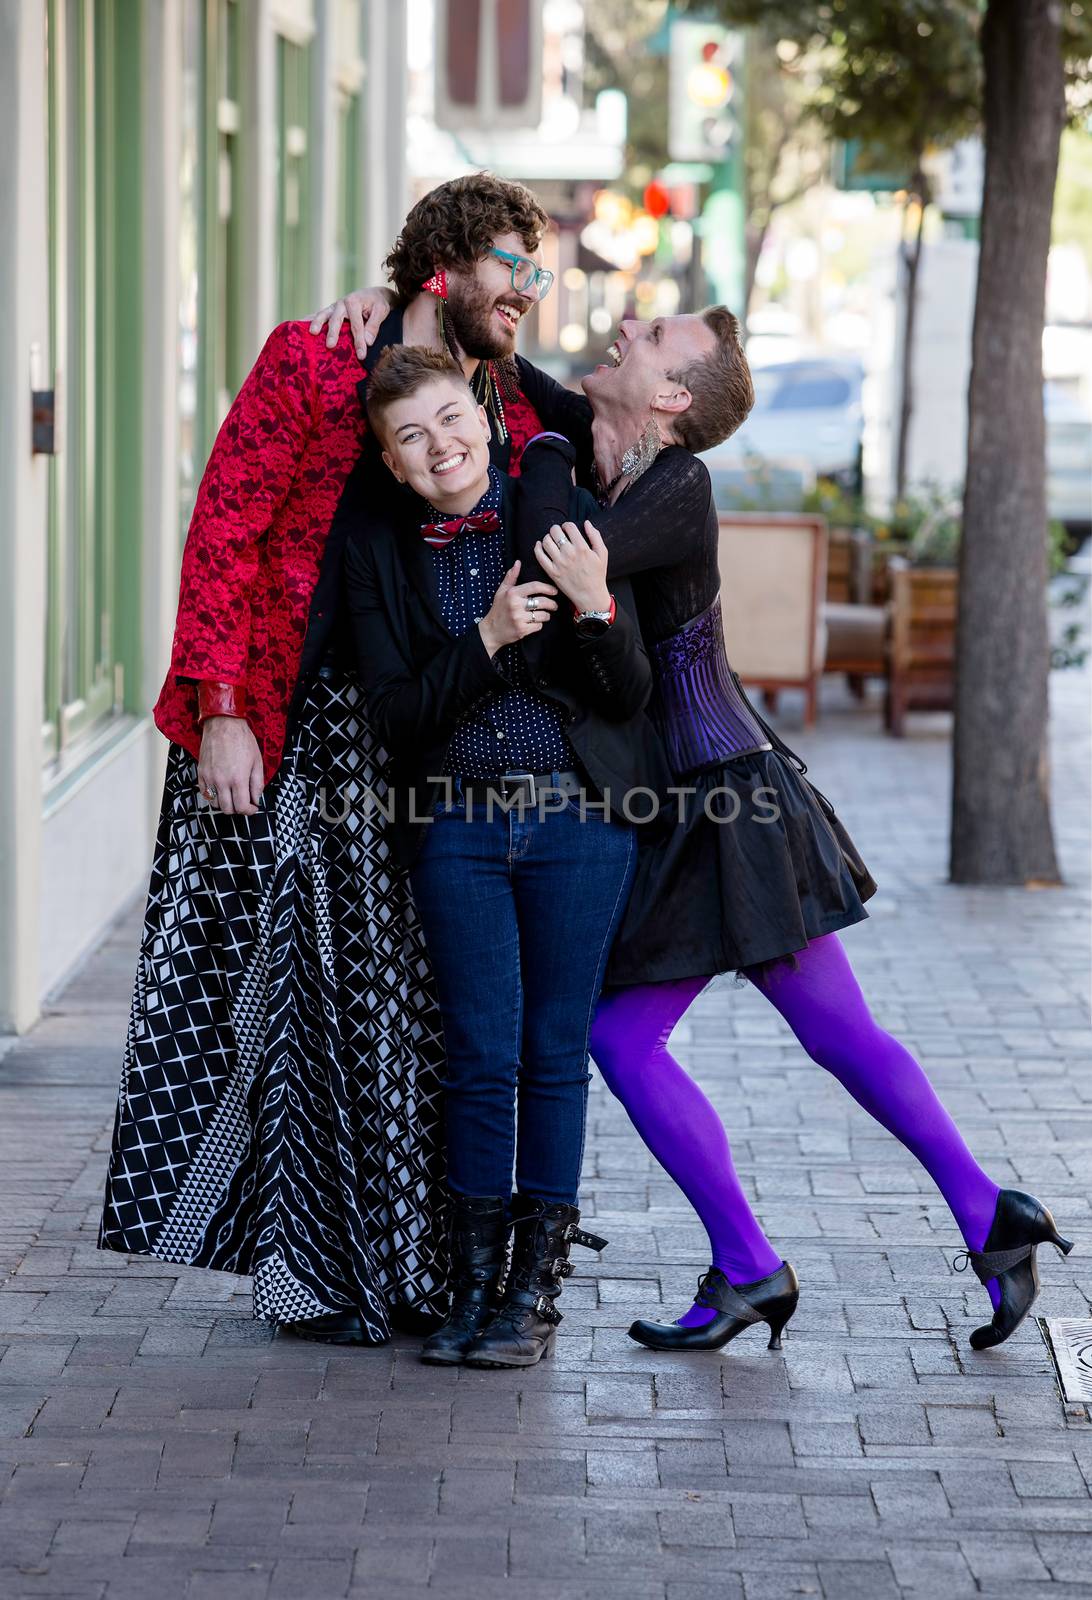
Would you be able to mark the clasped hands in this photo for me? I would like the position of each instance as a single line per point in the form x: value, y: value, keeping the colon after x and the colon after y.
x: 577, y: 562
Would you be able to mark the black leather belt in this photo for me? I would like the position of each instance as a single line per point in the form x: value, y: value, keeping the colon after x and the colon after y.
x: 521, y: 788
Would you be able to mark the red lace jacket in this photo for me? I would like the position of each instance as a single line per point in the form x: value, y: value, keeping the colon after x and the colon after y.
x: 255, y: 543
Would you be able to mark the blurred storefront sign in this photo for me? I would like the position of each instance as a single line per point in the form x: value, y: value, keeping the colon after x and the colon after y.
x: 857, y: 165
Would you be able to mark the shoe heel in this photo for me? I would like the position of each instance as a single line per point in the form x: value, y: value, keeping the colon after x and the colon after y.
x: 1049, y: 1233
x: 777, y: 1325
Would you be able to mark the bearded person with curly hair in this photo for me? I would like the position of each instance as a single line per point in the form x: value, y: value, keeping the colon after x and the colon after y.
x: 280, y: 1095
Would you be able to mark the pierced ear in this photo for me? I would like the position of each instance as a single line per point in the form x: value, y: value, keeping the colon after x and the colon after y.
x: 675, y: 401
x: 389, y: 461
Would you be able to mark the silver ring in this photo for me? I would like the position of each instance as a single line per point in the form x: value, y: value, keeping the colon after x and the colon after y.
x: 561, y: 538
x: 532, y: 602
x: 210, y: 793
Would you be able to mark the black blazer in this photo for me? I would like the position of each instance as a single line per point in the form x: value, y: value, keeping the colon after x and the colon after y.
x: 419, y: 679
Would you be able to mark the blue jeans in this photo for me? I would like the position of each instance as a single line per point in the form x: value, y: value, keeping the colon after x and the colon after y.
x: 518, y: 916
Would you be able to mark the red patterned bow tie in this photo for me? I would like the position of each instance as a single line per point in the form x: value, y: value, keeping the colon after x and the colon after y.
x: 438, y: 534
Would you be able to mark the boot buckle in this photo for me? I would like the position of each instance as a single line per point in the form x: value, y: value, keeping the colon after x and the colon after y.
x: 561, y: 1267
x: 590, y: 1241
x: 547, y: 1310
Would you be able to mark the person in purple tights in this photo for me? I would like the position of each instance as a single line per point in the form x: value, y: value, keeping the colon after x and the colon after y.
x: 756, y: 873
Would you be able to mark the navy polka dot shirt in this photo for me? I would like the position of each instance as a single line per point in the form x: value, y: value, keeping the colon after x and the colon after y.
x: 511, y: 730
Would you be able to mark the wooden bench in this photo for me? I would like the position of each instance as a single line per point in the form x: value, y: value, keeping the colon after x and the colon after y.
x: 856, y: 628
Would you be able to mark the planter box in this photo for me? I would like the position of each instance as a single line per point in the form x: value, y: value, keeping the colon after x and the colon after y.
x: 920, y: 641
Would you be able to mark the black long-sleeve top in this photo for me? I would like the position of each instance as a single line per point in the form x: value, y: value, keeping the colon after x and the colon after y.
x: 662, y: 532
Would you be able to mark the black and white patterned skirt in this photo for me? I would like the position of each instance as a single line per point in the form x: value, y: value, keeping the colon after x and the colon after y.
x: 280, y: 1102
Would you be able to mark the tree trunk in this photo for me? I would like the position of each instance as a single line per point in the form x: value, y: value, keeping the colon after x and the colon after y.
x: 755, y: 239
x: 1001, y: 830
x: 911, y: 256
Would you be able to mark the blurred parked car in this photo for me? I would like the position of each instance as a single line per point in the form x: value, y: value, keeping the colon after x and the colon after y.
x: 1069, y: 457
x: 806, y: 421
x: 754, y: 485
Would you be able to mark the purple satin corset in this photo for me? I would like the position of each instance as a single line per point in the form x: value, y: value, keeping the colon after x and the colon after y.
x: 699, y: 711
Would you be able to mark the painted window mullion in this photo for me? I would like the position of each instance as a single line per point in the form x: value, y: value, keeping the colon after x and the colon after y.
x: 121, y: 438
x: 349, y: 266
x: 235, y: 364
x: 85, y: 463
x: 57, y: 109
x: 99, y: 438
x: 293, y: 177
x: 208, y: 189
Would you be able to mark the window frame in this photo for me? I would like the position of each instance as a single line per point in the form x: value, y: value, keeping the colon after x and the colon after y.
x: 92, y: 613
x: 350, y: 110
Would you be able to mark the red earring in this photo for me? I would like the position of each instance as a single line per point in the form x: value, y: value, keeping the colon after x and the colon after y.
x: 437, y: 284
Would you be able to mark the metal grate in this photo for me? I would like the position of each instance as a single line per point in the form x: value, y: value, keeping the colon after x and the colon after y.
x: 1069, y: 1340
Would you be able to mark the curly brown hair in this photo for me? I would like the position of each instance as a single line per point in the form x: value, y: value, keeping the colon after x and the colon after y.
x: 455, y: 224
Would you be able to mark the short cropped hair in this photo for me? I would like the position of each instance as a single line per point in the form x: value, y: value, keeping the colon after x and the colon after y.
x: 720, y: 386
x: 401, y: 370
x: 455, y: 224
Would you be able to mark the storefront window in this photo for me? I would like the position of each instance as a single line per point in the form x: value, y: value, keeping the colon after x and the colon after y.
x: 82, y: 673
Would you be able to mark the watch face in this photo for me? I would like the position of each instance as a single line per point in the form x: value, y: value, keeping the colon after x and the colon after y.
x: 592, y: 627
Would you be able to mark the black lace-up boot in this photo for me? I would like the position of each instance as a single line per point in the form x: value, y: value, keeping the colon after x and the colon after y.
x: 525, y: 1327
x: 479, y: 1247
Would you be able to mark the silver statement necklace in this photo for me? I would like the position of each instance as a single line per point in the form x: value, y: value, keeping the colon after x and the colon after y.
x: 635, y: 460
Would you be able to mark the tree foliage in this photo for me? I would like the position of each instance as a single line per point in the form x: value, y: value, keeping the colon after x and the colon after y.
x: 620, y: 53
x: 901, y: 76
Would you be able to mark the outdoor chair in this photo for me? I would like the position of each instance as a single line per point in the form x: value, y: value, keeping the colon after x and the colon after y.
x: 773, y: 571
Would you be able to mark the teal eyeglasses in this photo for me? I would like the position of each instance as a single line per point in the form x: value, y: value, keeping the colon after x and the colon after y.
x: 525, y: 275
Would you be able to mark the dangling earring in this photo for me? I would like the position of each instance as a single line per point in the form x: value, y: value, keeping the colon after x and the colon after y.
x: 491, y: 377
x: 640, y: 456
x: 437, y: 285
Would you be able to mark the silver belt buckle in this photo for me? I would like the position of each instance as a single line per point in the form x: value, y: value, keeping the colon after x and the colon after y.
x: 522, y: 777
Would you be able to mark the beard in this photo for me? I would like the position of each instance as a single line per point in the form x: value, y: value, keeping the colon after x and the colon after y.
x: 471, y: 314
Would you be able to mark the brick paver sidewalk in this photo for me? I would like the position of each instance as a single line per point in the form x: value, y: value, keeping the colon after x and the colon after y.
x: 154, y: 1442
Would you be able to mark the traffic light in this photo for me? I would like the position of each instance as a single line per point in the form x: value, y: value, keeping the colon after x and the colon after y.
x: 656, y: 199
x: 703, y: 97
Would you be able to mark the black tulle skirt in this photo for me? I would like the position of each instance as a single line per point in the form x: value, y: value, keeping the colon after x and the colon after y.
x: 755, y: 864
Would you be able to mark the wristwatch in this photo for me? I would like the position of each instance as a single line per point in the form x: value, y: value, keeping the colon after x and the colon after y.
x: 590, y: 624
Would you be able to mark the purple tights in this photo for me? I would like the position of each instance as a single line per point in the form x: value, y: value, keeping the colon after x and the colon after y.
x: 823, y: 1005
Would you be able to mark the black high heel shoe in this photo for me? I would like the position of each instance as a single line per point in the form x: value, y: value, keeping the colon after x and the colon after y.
x: 1019, y: 1225
x: 769, y: 1300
